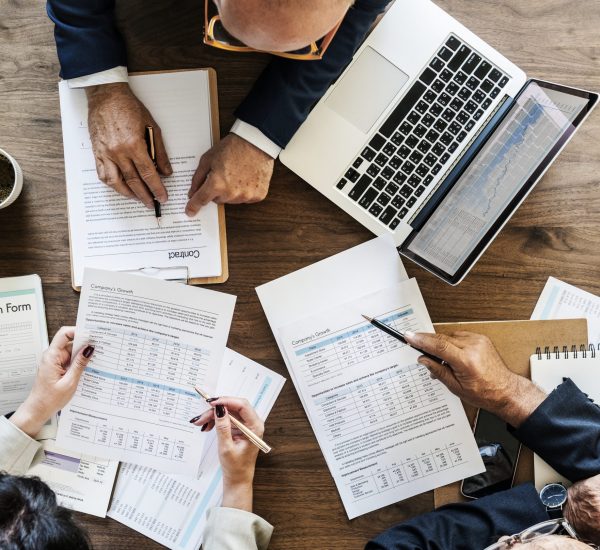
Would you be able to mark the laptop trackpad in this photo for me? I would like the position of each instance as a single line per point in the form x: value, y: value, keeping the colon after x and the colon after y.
x: 366, y: 89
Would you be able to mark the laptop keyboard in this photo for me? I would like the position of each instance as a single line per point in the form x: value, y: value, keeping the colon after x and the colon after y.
x: 417, y: 140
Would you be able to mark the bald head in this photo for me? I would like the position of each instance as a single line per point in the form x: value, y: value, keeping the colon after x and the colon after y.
x: 280, y: 25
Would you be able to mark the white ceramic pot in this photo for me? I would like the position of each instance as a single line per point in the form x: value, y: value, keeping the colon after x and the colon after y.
x: 17, y: 183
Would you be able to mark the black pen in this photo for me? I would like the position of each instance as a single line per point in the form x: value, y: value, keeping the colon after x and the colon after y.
x: 400, y: 336
x: 152, y: 152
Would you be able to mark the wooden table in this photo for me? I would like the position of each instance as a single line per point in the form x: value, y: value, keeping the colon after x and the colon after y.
x: 555, y: 232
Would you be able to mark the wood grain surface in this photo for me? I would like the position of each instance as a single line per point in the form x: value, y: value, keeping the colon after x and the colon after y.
x: 555, y: 232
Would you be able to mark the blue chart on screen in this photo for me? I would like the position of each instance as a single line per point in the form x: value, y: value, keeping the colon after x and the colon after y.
x: 524, y: 138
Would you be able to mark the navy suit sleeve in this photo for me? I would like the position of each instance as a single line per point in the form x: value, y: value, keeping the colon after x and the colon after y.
x: 283, y: 95
x: 565, y: 431
x: 87, y: 38
x: 466, y: 525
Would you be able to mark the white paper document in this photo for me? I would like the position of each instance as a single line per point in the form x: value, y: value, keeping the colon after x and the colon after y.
x: 154, y: 341
x: 23, y: 338
x: 560, y: 300
x: 109, y: 231
x: 367, y: 461
x: 172, y: 509
x: 82, y: 483
x: 386, y: 429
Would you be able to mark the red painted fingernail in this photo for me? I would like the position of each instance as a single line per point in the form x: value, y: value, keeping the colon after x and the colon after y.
x: 88, y: 351
x: 195, y: 419
x: 204, y: 426
x: 211, y: 399
x: 220, y: 411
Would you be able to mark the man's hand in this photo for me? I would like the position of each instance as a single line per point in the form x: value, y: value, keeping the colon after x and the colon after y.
x: 117, y: 122
x: 582, y: 509
x: 55, y: 383
x: 476, y: 373
x: 234, y: 171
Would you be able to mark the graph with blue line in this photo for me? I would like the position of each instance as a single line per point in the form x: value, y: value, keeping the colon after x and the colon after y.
x: 531, y: 129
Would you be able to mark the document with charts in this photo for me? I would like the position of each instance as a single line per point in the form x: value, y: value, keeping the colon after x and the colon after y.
x: 80, y: 482
x: 560, y: 300
x: 387, y: 430
x: 154, y: 341
x: 172, y: 509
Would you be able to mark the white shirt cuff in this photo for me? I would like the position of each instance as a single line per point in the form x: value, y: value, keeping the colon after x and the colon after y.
x: 116, y: 74
x: 17, y: 449
x: 254, y: 136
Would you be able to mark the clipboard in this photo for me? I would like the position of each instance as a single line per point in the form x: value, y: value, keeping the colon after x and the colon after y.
x: 216, y: 137
x: 516, y: 341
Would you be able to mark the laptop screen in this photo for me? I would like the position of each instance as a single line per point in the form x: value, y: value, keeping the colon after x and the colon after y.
x: 498, y: 177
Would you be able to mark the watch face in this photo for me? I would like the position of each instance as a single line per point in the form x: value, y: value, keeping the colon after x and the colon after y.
x: 553, y: 495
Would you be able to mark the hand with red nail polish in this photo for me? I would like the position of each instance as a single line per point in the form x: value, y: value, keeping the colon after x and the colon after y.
x: 55, y: 383
x: 236, y: 454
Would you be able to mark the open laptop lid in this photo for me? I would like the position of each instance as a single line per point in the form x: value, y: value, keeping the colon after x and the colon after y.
x: 494, y: 176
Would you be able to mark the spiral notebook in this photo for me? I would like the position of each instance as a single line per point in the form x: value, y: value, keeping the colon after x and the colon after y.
x: 548, y: 368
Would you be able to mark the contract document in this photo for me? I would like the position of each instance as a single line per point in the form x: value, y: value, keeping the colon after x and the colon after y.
x: 387, y: 430
x: 110, y: 231
x: 82, y: 483
x: 154, y: 341
x: 172, y: 509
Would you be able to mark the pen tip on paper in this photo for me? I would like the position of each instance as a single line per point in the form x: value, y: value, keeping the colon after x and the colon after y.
x: 158, y: 222
x: 367, y: 318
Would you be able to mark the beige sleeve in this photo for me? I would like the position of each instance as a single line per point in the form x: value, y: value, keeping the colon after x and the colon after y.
x: 17, y: 449
x: 232, y: 529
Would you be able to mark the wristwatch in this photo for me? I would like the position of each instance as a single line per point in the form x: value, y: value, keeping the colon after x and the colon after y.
x: 553, y: 497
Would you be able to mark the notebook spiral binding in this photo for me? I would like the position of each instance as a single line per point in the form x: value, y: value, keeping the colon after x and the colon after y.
x: 583, y: 351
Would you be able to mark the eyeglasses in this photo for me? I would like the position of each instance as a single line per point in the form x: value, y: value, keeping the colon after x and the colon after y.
x: 216, y: 35
x: 538, y: 531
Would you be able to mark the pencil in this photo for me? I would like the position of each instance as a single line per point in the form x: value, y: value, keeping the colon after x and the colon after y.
x: 400, y: 336
x: 152, y: 153
x: 252, y: 437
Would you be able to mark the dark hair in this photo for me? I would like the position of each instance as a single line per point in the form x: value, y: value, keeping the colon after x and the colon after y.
x: 30, y: 518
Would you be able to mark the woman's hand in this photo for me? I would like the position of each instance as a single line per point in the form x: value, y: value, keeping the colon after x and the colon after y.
x: 55, y: 382
x: 236, y: 454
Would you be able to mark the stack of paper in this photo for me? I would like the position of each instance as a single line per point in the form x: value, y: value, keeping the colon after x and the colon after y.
x: 154, y: 342
x: 386, y: 429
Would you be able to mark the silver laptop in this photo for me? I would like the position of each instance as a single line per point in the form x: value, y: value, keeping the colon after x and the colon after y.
x: 434, y: 137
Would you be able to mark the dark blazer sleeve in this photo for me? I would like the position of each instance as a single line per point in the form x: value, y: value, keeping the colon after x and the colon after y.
x: 87, y: 38
x: 283, y: 95
x: 466, y: 526
x: 565, y: 431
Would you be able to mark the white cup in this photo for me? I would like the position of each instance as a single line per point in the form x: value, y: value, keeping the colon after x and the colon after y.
x: 17, y: 183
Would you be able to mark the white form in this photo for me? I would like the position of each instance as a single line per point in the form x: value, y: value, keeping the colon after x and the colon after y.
x: 109, y: 231
x: 560, y: 300
x: 154, y: 341
x: 386, y: 429
x: 23, y: 338
x: 82, y: 483
x: 172, y: 509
